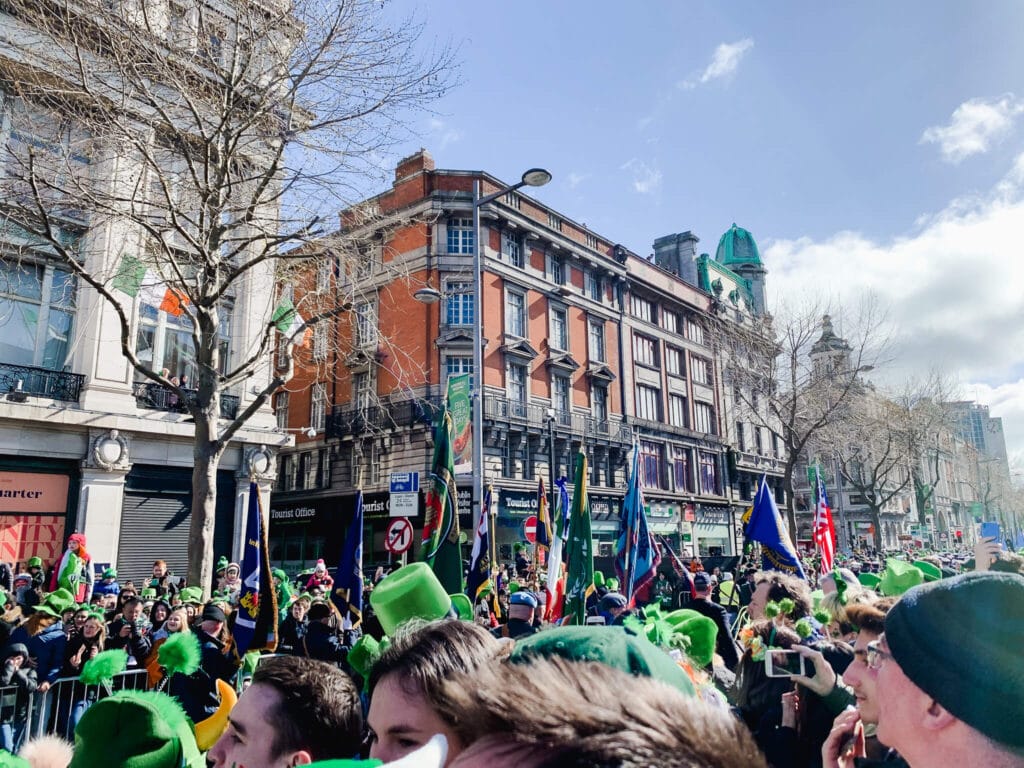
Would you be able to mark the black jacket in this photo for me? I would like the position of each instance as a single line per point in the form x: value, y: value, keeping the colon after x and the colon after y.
x: 137, y: 644
x: 724, y: 644
x: 321, y: 642
x: 197, y: 693
x: 290, y: 635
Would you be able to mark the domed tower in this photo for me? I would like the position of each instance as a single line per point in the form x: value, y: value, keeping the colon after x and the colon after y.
x: 830, y: 354
x: 738, y: 251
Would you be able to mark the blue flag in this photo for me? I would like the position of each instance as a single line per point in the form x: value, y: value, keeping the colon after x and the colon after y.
x: 767, y: 528
x: 256, y: 620
x: 478, y: 580
x: 348, y: 582
x: 636, y: 556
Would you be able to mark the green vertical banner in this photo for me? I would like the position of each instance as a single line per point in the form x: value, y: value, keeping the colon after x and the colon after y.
x: 579, y: 583
x: 461, y: 409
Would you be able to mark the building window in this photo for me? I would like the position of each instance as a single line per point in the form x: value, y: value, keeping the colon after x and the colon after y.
x: 648, y: 403
x: 515, y: 314
x: 165, y: 342
x: 645, y: 351
x: 517, y: 389
x: 650, y: 465
x: 758, y: 441
x: 456, y: 364
x: 366, y: 325
x: 677, y: 413
x: 281, y: 409
x: 593, y: 285
x: 320, y: 341
x: 460, y: 304
x: 560, y: 399
x: 460, y: 236
x: 670, y: 321
x: 700, y: 370
x: 682, y: 468
x: 741, y: 439
x: 37, y: 308
x: 555, y: 269
x: 512, y: 200
x: 554, y: 222
x: 599, y: 406
x: 596, y: 333
x: 674, y: 362
x: 694, y: 331
x: 708, y: 473
x: 775, y: 447
x: 512, y: 247
x: 324, y: 267
x: 559, y: 338
x: 704, y: 418
x: 362, y: 391
x: 318, y: 407
x: 641, y: 308
x: 591, y: 240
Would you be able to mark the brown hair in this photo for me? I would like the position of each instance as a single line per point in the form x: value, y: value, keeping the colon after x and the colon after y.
x: 870, y: 616
x: 37, y: 622
x: 319, y: 709
x: 602, y: 717
x: 781, y: 586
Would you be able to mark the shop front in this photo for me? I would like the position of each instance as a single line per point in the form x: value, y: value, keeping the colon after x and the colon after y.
x: 712, y: 531
x: 35, y: 506
x: 514, y: 508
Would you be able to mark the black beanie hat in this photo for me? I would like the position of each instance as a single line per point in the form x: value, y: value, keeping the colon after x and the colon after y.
x: 959, y: 640
x: 213, y: 613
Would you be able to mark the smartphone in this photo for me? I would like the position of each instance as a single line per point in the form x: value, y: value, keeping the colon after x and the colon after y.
x: 599, y: 620
x: 784, y: 664
x: 991, y: 530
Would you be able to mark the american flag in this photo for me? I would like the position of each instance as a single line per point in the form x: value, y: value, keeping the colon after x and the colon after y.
x: 824, y: 529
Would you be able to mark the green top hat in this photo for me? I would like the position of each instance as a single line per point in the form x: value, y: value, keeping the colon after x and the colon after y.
x: 598, y: 579
x: 109, y: 573
x: 612, y: 584
x: 701, y: 634
x: 35, y: 562
x: 148, y: 594
x: 57, y: 603
x: 364, y: 654
x: 869, y: 580
x: 191, y: 595
x: 898, y: 577
x: 463, y: 606
x: 412, y: 591
x: 136, y: 729
x: 618, y: 647
x: 929, y: 571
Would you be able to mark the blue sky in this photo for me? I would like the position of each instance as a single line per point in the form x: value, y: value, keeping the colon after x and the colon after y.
x: 868, y: 146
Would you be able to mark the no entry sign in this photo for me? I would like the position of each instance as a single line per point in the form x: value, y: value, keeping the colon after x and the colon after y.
x: 398, y: 537
x: 530, y: 529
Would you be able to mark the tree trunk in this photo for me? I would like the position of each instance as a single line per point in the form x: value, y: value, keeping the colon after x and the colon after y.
x: 876, y: 523
x: 206, y: 457
x: 787, y: 478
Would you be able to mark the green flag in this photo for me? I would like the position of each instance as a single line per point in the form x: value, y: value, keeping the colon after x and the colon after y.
x: 579, y: 583
x: 441, y: 549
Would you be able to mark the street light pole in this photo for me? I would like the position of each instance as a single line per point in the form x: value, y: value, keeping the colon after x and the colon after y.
x: 552, y: 471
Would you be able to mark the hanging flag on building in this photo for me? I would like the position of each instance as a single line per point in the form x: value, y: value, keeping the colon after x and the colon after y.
x: 348, y: 581
x: 440, y: 546
x: 257, y: 616
x: 136, y: 279
x: 636, y: 556
x: 766, y: 528
x: 555, y: 586
x: 824, y: 531
x: 288, y: 322
x: 479, y: 579
x: 579, y: 584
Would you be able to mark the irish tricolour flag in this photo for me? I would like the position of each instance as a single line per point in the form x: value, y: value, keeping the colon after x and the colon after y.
x: 288, y: 322
x: 139, y: 280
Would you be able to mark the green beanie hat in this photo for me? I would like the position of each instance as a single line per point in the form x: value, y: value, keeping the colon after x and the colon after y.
x: 959, y: 640
x: 56, y: 603
x: 618, y: 647
x: 929, y: 571
x: 463, y: 606
x: 898, y: 577
x: 109, y: 573
x: 222, y: 564
x: 278, y: 573
x: 700, y: 631
x: 612, y: 584
x: 413, y: 591
x: 869, y: 580
x: 598, y: 579
x: 136, y: 729
x: 35, y: 562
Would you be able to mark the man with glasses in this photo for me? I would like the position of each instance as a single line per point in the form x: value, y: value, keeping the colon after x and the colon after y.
x: 949, y: 672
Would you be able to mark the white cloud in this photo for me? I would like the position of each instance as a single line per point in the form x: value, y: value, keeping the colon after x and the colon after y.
x: 724, y: 63
x: 952, y: 285
x: 976, y: 125
x: 646, y: 179
x: 445, y: 134
x: 575, y: 179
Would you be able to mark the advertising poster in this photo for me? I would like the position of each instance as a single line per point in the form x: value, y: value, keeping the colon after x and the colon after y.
x: 461, y: 409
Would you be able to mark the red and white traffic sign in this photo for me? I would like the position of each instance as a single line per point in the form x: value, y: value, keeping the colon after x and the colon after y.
x: 398, y: 537
x: 530, y: 529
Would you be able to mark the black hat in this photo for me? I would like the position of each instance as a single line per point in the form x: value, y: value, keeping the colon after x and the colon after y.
x: 959, y: 640
x: 212, y: 612
x: 612, y: 600
x: 701, y: 580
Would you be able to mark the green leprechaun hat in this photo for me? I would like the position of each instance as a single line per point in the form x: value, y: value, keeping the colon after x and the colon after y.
x: 56, y: 603
x: 929, y: 571
x: 869, y: 580
x: 413, y: 591
x: 462, y: 606
x: 898, y: 577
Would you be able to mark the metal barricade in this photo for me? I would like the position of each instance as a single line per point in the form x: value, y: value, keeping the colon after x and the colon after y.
x: 62, y: 706
x: 15, y: 707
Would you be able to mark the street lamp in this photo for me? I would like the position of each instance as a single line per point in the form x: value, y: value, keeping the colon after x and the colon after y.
x: 534, y: 177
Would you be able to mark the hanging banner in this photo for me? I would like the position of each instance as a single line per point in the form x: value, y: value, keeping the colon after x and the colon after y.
x: 461, y: 409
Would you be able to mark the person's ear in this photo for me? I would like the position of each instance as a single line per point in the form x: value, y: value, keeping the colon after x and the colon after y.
x: 937, y: 717
x: 302, y: 757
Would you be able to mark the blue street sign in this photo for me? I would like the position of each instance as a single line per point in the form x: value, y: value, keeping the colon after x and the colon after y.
x: 405, y: 482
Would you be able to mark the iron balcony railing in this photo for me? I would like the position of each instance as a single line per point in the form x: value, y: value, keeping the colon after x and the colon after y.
x: 350, y: 420
x: 41, y: 382
x: 156, y: 397
x: 503, y: 409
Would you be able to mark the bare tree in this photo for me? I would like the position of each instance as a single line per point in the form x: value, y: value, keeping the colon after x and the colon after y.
x: 794, y: 376
x: 193, y: 155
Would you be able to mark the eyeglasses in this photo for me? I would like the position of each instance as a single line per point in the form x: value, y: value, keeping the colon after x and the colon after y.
x: 875, y: 655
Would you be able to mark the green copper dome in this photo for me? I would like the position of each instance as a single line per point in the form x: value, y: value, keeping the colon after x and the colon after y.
x: 737, y: 248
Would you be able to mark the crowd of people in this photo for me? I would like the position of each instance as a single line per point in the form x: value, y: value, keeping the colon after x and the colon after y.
x: 911, y: 659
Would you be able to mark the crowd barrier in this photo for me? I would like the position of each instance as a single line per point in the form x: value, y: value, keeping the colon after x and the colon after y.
x: 58, y: 710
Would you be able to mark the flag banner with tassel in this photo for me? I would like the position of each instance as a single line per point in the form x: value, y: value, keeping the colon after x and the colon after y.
x: 348, y: 582
x: 579, y: 583
x: 256, y: 620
